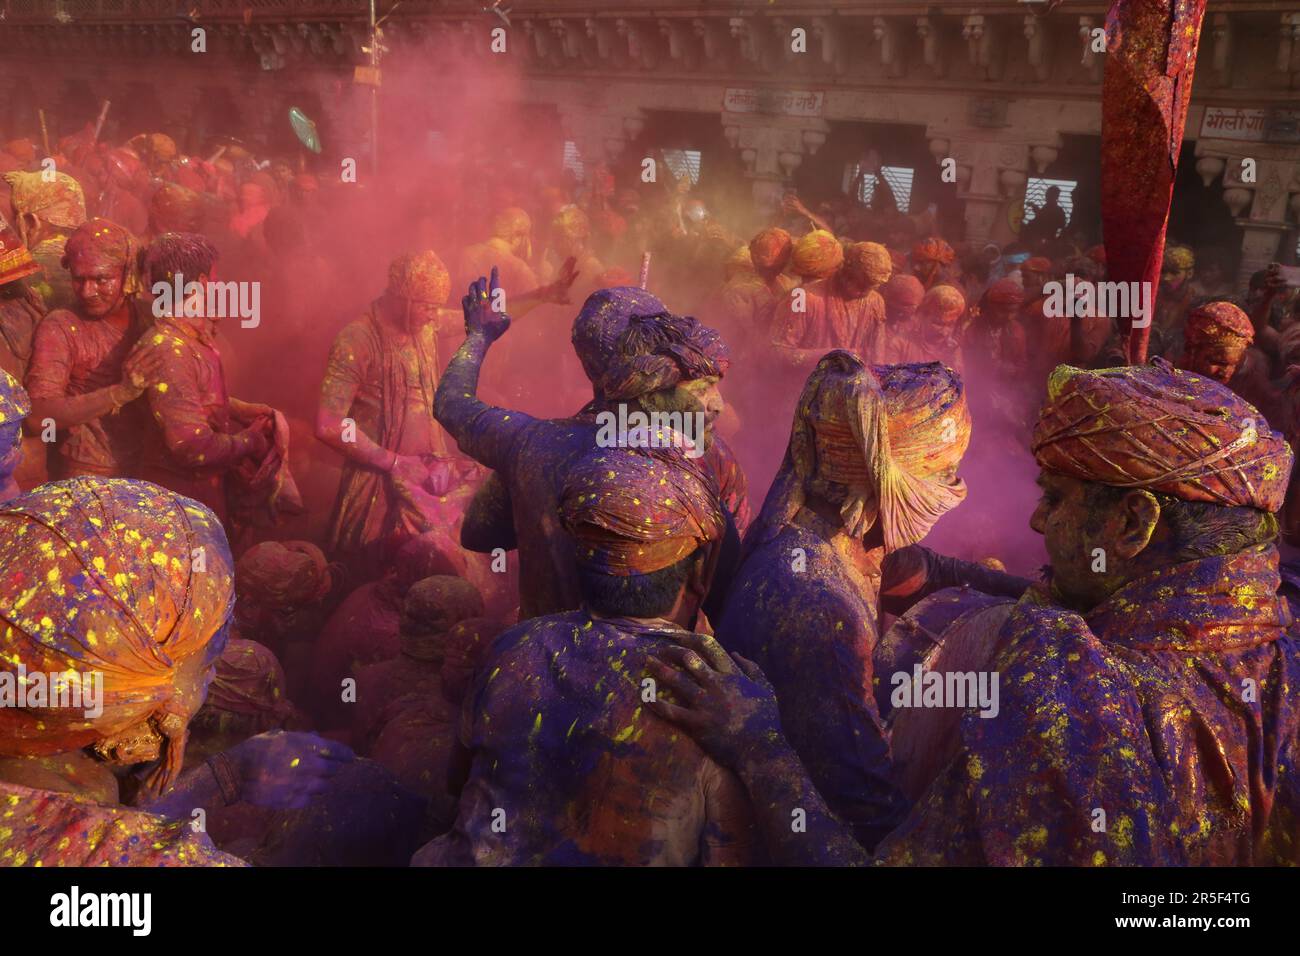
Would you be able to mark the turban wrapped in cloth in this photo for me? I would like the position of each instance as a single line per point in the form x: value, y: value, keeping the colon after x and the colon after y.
x: 512, y: 223
x: 1161, y: 429
x: 249, y: 683
x: 419, y: 276
x: 867, y: 263
x: 22, y: 149
x: 889, y: 433
x: 283, y: 574
x: 1219, y: 321
x: 638, y: 510
x: 661, y: 351
x: 59, y: 202
x: 119, y: 578
x: 943, y: 305
x: 770, y: 250
x: 159, y: 147
x: 603, y: 318
x: 1005, y: 292
x: 431, y: 608
x: 903, y: 294
x: 817, y: 255
x: 100, y: 244
x: 1179, y: 259
x: 1040, y: 264
x: 739, y: 262
x: 571, y: 222
x: 174, y: 208
x: 933, y: 252
x: 16, y: 261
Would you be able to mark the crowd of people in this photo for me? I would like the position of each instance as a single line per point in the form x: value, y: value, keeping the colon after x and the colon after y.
x: 413, y: 598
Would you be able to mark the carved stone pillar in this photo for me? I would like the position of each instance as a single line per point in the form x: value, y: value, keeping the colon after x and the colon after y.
x: 990, y: 179
x: 772, y: 148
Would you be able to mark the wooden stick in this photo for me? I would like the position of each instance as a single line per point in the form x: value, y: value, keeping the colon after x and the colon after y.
x: 99, y: 123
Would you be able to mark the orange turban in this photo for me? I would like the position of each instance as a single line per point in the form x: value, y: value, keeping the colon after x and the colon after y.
x: 770, y: 250
x: 118, y: 578
x: 1162, y: 429
x: 639, y: 510
x: 868, y: 262
x: 1005, y: 292
x: 892, y: 433
x: 1040, y: 264
x: 817, y: 255
x: 944, y: 305
x: 933, y: 250
x: 1216, y: 321
x: 420, y: 276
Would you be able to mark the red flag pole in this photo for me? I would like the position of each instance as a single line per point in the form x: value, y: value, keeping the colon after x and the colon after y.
x: 1150, y: 59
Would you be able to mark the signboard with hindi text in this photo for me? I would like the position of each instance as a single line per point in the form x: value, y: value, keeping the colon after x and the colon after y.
x: 774, y: 102
x: 1223, y: 122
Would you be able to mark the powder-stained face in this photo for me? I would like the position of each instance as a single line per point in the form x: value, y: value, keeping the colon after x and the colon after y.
x: 421, y: 312
x: 98, y: 287
x: 1085, y: 565
x: 1215, y: 358
x: 1172, y: 277
x: 695, y: 395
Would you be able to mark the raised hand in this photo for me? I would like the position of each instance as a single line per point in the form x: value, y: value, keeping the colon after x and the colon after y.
x: 557, y: 292
x: 480, y: 319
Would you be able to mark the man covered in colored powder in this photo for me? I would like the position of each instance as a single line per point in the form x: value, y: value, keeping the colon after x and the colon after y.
x: 45, y: 214
x: 509, y: 250
x: 843, y: 312
x: 376, y: 409
x: 1217, y: 340
x: 202, y: 434
x: 123, y: 589
x: 932, y: 261
x: 80, y: 377
x: 748, y: 300
x: 637, y: 354
x: 14, y: 407
x: 871, y: 465
x: 903, y: 295
x: 21, y: 307
x: 566, y: 764
x: 1149, y: 701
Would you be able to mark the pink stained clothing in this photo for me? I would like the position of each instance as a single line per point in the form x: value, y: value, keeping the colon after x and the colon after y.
x: 829, y: 321
x: 75, y: 356
x: 191, y: 443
